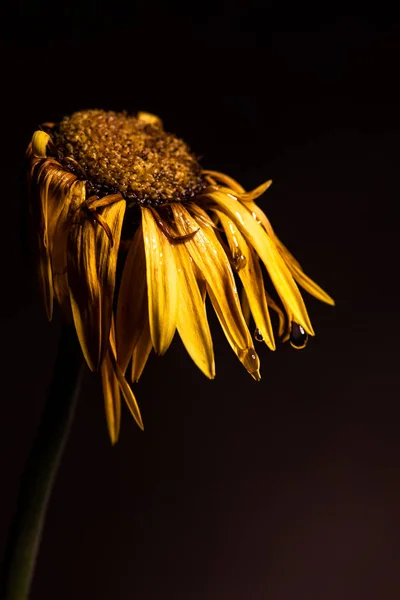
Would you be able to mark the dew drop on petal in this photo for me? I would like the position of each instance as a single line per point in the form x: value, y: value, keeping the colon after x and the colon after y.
x: 238, y: 261
x: 251, y: 362
x: 258, y: 335
x: 298, y: 337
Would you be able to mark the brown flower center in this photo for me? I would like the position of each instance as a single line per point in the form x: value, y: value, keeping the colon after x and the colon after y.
x: 117, y: 152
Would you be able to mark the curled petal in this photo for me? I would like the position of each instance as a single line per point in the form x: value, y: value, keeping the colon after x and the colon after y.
x: 149, y: 118
x: 40, y: 139
x: 226, y: 180
x: 50, y: 191
x: 244, y: 196
x: 75, y: 196
x: 92, y: 263
x: 256, y: 193
x: 162, y: 286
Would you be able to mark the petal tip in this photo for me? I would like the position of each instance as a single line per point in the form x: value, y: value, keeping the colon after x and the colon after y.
x: 40, y: 140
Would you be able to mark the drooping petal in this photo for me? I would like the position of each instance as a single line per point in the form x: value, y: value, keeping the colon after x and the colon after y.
x: 308, y: 284
x: 209, y: 256
x: 250, y: 274
x: 294, y: 266
x: 92, y: 261
x: 201, y: 216
x: 192, y: 323
x: 126, y: 390
x: 141, y: 351
x: 111, y: 391
x: 112, y: 398
x: 244, y: 301
x: 45, y: 277
x: 281, y: 317
x: 269, y: 254
x: 50, y: 203
x: 271, y: 303
x: 75, y: 197
x: 114, y: 383
x: 260, y: 216
x: 162, y: 288
x: 132, y: 308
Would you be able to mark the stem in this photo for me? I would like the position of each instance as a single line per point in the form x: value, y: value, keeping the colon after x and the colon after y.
x: 41, y: 470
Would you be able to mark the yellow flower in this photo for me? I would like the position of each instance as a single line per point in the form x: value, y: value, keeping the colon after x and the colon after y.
x: 111, y: 190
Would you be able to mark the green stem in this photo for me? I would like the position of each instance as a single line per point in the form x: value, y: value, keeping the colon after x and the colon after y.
x: 41, y: 470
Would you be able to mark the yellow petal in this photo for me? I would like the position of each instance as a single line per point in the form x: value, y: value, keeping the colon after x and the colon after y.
x: 112, y: 398
x: 126, y: 390
x: 92, y: 262
x: 245, y: 306
x: 260, y: 216
x: 75, y: 197
x: 142, y: 351
x: 162, y: 286
x: 149, y: 118
x: 49, y: 204
x: 192, y: 323
x: 258, y: 191
x: 227, y: 180
x: 201, y: 216
x: 132, y: 301
x: 111, y: 392
x: 310, y: 286
x: 40, y: 224
x: 294, y: 266
x: 40, y: 140
x: 251, y: 277
x: 247, y: 356
x: 209, y: 256
x: 245, y: 196
x: 45, y: 278
x: 271, y: 257
x: 281, y: 317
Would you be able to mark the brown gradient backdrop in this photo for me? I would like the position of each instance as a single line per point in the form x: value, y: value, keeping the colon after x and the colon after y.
x: 282, y: 490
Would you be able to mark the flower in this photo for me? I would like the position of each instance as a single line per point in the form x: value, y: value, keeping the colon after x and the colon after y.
x: 112, y: 192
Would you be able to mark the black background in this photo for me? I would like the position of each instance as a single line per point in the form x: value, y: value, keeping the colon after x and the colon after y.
x: 281, y: 490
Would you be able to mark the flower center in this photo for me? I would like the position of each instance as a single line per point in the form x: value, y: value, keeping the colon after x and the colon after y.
x: 134, y: 156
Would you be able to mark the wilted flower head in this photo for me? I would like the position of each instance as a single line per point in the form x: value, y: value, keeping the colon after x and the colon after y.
x: 112, y: 189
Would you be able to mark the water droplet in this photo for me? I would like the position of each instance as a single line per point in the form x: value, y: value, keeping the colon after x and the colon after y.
x: 298, y: 337
x: 251, y: 362
x: 258, y: 335
x: 238, y: 261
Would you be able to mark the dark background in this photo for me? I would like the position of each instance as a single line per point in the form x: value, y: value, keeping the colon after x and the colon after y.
x: 281, y: 490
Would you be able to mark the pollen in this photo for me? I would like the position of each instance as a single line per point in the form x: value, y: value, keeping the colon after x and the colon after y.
x: 133, y: 156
